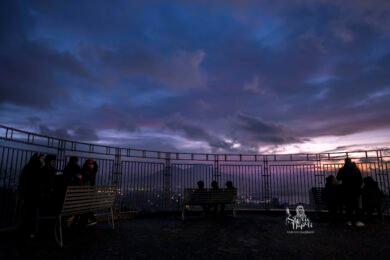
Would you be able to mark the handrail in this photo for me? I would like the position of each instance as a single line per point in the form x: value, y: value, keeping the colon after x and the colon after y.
x: 10, y: 134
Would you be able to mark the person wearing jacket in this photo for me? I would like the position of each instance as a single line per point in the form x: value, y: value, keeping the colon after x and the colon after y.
x: 72, y: 172
x: 332, y: 196
x: 51, y: 187
x: 29, y: 193
x: 351, y: 182
x: 230, y: 187
x: 372, y: 198
x: 89, y: 172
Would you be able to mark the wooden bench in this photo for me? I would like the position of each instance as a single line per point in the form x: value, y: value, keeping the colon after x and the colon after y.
x: 195, y: 197
x: 85, y: 199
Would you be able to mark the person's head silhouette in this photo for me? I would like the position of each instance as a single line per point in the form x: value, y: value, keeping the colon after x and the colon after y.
x: 37, y: 160
x: 229, y: 185
x: 50, y: 160
x: 214, y: 185
x: 200, y: 185
x: 347, y: 161
x: 73, y: 160
x: 331, y: 180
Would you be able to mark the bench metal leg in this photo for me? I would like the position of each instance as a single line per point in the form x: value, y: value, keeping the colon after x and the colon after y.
x: 235, y: 209
x: 61, y: 242
x: 112, y: 219
x: 183, y: 213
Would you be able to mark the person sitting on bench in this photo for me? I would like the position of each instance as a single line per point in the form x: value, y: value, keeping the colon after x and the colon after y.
x: 215, y: 187
x: 206, y: 208
x: 229, y: 186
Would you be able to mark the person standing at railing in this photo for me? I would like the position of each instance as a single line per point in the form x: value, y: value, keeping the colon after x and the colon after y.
x: 331, y: 196
x: 29, y: 193
x: 52, y: 186
x: 72, y: 172
x: 351, y: 182
x: 89, y: 172
x: 72, y: 177
x: 372, y: 199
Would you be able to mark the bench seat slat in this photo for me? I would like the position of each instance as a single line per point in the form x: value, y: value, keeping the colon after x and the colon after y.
x: 97, y: 205
x: 86, y: 202
x: 89, y: 190
x: 78, y: 187
x: 80, y: 190
x: 89, y: 196
x: 79, y: 211
x: 93, y: 207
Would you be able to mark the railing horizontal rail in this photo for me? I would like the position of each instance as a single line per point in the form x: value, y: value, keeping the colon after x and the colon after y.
x: 30, y: 138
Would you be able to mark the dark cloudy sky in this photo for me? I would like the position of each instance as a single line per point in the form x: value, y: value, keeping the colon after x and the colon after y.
x: 215, y: 76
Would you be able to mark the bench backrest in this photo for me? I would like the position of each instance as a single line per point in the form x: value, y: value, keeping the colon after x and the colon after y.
x: 209, y: 196
x: 81, y: 199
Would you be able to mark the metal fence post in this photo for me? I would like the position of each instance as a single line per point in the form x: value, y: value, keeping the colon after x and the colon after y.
x: 117, y: 174
x: 319, y: 174
x: 216, y: 173
x: 167, y: 181
x: 266, y: 183
x: 383, y: 177
x: 319, y: 177
x: 61, y: 154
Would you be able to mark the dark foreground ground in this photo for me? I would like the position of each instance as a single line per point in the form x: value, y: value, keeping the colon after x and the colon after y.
x: 250, y: 236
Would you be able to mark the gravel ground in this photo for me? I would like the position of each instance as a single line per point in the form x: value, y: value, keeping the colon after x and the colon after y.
x: 250, y: 236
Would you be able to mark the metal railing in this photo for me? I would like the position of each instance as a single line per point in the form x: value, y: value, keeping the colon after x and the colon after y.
x: 154, y: 180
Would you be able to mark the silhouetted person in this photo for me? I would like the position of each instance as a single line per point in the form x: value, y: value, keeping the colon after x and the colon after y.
x: 351, y: 182
x: 89, y: 171
x: 215, y: 187
x: 206, y: 208
x: 332, y: 196
x: 372, y: 198
x: 29, y: 193
x: 72, y: 172
x: 200, y: 185
x: 49, y: 187
x: 230, y: 187
x: 73, y: 177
